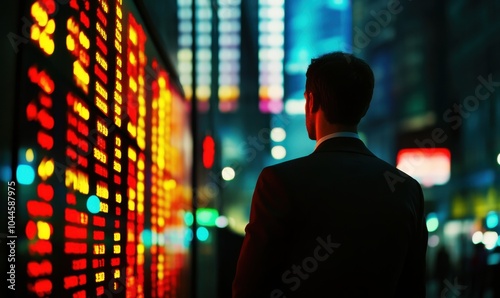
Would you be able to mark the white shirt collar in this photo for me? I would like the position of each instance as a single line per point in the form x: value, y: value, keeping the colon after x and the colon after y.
x: 336, y: 135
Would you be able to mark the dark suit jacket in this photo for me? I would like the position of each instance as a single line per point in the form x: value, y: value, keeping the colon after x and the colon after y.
x: 339, y: 222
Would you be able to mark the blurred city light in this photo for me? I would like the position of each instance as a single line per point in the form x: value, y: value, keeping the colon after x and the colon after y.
x: 490, y: 239
x: 228, y: 173
x: 221, y: 221
x: 491, y: 220
x: 498, y: 158
x: 295, y: 106
x: 477, y: 237
x: 433, y: 241
x: 188, y: 218
x: 432, y: 222
x: 429, y: 166
x: 202, y: 234
x: 278, y: 134
x: 30, y: 155
x: 278, y: 152
x: 206, y: 216
x: 93, y: 204
x: 25, y: 174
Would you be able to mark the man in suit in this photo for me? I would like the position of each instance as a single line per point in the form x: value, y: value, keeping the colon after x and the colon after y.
x: 339, y: 222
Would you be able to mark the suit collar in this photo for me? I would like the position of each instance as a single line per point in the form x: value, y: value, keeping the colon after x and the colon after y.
x: 346, y: 144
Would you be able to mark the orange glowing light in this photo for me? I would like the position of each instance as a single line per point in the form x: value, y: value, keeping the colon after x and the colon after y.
x: 99, y: 291
x: 40, y: 247
x: 31, y: 111
x: 117, y: 249
x: 46, y: 121
x: 31, y: 229
x: 84, y: 40
x: 99, y: 277
x: 70, y: 281
x: 75, y: 216
x: 36, y: 269
x: 73, y: 232
x: 39, y: 14
x: 101, y: 60
x: 79, y: 264
x: 49, y: 5
x: 102, y: 17
x: 101, y: 31
x: 42, y: 287
x: 83, y: 128
x: 102, y: 190
x: 74, y: 4
x: 100, y: 155
x: 77, y: 180
x: 117, y: 166
x: 39, y: 209
x: 101, y: 45
x: 98, y: 235
x: 99, y: 221
x: 44, y: 230
x: 84, y: 19
x: 71, y: 199
x: 99, y: 249
x: 81, y: 76
x: 101, y: 90
x: 101, y: 104
x: 98, y: 263
x: 45, y: 191
x: 45, y: 100
x: 35, y: 32
x: 104, y: 5
x: 71, y: 137
x: 103, y: 207
x: 75, y: 248
x: 44, y: 140
x: 42, y: 79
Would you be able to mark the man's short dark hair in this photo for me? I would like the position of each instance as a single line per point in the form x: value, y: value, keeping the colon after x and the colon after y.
x: 342, y: 85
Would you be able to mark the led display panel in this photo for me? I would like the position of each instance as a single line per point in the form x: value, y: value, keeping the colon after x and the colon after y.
x: 104, y: 161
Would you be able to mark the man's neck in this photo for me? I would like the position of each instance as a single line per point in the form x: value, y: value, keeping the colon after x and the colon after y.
x: 326, y: 128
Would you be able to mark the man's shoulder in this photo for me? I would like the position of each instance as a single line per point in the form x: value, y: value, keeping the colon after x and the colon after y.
x: 286, y: 165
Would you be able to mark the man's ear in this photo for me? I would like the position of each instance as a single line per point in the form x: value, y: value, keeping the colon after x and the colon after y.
x: 313, y: 102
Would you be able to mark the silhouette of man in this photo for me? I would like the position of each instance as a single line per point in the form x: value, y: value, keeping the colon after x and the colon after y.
x: 339, y: 222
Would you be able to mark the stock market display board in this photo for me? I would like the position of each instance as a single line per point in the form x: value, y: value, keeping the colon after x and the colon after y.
x: 102, y: 152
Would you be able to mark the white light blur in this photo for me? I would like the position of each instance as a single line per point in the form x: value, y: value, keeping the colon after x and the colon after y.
x: 185, y: 27
x: 295, y: 106
x: 477, y: 237
x: 185, y: 54
x: 185, y: 67
x: 221, y: 221
x: 278, y: 152
x: 498, y: 158
x: 273, y: 40
x: 228, y: 173
x: 274, y: 26
x: 272, y: 78
x: 271, y: 12
x: 490, y: 239
x: 452, y: 228
x: 433, y: 241
x: 228, y: 26
x: 276, y: 92
x: 204, y: 54
x: 272, y: 2
x: 271, y: 54
x: 278, y: 134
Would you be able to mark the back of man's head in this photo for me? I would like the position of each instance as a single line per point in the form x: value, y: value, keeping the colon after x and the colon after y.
x: 342, y: 86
